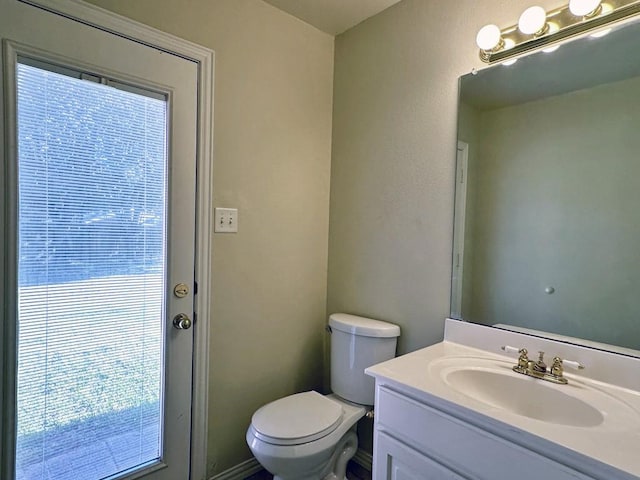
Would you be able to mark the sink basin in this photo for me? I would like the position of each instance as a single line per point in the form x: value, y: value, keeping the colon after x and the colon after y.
x: 523, y: 395
x: 494, y: 384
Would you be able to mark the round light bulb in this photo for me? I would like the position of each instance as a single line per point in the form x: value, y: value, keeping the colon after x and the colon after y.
x: 532, y: 20
x: 583, y: 8
x: 488, y: 37
x: 551, y: 49
x: 508, y: 63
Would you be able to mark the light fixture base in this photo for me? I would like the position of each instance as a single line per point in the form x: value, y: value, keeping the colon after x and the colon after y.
x: 542, y: 31
x: 594, y: 13
x: 485, y: 55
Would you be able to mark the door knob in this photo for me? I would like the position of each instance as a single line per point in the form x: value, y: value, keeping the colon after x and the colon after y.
x: 182, y: 322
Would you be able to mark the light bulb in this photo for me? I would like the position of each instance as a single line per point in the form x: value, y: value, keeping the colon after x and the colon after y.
x: 584, y: 8
x: 551, y: 49
x: 533, y: 20
x: 508, y: 63
x: 488, y: 37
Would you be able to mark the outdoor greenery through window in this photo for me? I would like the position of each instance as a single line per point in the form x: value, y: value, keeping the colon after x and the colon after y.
x: 92, y: 202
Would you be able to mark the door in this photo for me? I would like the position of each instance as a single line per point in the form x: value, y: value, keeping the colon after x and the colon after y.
x: 99, y: 238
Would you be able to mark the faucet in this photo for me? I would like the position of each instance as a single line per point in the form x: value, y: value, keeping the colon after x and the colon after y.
x: 539, y: 369
x: 539, y: 366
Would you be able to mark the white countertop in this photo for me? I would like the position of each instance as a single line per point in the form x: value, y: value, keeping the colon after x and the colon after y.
x: 616, y: 441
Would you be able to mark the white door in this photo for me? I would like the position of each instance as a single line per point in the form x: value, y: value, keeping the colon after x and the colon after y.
x: 98, y: 235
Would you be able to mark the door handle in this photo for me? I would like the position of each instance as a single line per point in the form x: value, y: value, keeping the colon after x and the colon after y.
x: 182, y: 322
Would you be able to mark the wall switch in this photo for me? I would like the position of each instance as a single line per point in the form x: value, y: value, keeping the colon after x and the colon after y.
x: 226, y: 220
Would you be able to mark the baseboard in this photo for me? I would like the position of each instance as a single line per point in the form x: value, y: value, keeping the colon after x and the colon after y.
x: 240, y: 471
x: 364, y: 459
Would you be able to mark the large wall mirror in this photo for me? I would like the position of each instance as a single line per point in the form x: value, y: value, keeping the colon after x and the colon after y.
x: 547, y: 222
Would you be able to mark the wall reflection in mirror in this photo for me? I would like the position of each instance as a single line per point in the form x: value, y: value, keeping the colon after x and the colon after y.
x: 547, y: 234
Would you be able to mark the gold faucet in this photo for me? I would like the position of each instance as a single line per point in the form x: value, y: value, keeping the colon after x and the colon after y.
x: 539, y: 366
x: 539, y: 369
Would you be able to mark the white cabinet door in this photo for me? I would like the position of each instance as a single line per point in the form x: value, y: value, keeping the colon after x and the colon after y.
x: 396, y: 461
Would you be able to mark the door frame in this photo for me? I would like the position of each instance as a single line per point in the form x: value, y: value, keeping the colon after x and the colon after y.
x: 457, y: 268
x: 205, y: 59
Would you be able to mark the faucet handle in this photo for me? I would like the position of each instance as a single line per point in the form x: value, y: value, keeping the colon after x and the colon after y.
x: 510, y: 349
x: 557, y: 369
x: 573, y: 364
x: 523, y: 360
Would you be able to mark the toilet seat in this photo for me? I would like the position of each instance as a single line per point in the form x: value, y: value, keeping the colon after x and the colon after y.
x: 297, y: 419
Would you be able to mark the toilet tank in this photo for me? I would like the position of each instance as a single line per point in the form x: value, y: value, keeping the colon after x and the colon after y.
x: 358, y: 343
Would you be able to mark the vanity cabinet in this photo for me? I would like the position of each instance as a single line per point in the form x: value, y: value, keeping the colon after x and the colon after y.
x: 398, y: 461
x: 418, y: 439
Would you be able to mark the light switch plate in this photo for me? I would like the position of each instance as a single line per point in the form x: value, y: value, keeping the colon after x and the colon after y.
x: 226, y: 220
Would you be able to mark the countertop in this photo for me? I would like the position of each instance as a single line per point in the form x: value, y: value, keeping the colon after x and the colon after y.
x: 615, y: 442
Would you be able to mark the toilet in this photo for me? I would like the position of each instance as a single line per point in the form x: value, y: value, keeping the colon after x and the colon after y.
x: 309, y: 436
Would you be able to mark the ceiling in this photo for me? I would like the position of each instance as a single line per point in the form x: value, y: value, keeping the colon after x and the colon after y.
x: 332, y: 16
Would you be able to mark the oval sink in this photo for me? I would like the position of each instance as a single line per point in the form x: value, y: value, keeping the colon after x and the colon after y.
x: 524, y: 396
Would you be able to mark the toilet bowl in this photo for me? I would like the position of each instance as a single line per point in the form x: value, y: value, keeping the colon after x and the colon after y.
x: 309, y: 436
x: 315, y: 441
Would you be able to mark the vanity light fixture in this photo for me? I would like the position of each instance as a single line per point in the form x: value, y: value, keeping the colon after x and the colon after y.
x: 541, y: 30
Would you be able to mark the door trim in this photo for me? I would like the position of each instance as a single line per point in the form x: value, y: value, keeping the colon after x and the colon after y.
x: 457, y: 267
x: 204, y: 58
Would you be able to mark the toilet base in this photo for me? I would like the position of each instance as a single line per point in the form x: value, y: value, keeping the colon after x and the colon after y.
x: 336, y: 467
x: 345, y: 451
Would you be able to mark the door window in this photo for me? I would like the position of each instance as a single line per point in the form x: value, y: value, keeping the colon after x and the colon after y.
x: 92, y: 202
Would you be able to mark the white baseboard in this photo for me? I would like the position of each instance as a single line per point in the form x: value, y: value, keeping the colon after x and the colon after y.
x: 240, y: 471
x: 364, y: 459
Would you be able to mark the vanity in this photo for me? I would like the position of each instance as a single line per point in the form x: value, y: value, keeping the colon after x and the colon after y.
x: 457, y: 410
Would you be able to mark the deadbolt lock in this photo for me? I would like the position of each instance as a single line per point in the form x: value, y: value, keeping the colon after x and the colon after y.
x: 181, y: 290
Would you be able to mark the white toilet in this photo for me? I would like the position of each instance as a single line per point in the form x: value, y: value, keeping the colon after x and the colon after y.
x: 309, y: 436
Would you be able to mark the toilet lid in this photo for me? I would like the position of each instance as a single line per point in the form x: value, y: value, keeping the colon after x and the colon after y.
x: 300, y: 418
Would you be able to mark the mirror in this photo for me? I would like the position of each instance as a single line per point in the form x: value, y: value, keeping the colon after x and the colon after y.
x: 547, y: 221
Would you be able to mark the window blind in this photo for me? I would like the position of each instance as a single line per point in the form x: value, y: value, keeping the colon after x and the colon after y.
x: 91, y: 273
